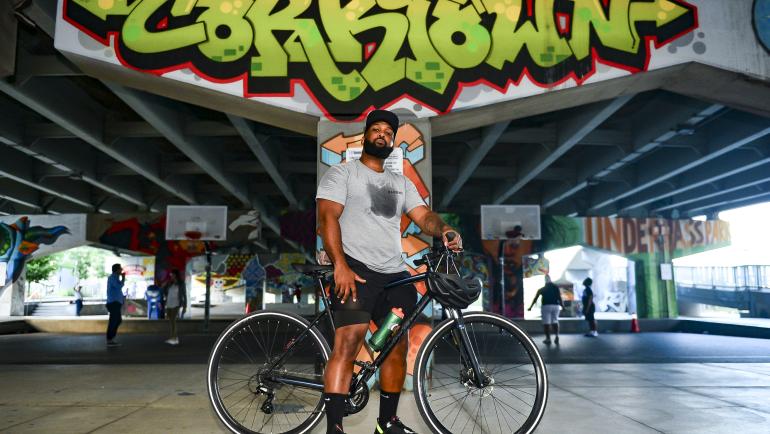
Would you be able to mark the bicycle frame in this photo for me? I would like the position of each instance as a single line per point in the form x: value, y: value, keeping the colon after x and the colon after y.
x: 469, y: 358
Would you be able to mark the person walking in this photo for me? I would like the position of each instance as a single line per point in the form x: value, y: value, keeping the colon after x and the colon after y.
x: 360, y: 205
x: 589, y: 307
x: 78, y: 300
x: 174, y: 299
x: 552, y: 305
x: 114, y: 304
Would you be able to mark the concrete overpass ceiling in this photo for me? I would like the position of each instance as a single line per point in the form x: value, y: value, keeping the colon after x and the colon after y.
x: 73, y: 143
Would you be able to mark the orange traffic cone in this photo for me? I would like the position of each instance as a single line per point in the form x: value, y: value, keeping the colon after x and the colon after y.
x: 634, y: 324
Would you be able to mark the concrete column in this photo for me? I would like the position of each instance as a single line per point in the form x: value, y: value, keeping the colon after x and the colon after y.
x: 413, y: 138
x: 12, y: 297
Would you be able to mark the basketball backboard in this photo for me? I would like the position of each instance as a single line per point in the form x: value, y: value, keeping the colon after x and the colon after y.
x: 501, y: 222
x: 204, y: 223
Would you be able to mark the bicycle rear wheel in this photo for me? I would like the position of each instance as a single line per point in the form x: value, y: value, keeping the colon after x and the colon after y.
x: 239, y: 381
x: 450, y: 402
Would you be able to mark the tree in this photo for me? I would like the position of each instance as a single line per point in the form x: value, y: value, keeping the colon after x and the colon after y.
x: 87, y: 262
x: 39, y: 269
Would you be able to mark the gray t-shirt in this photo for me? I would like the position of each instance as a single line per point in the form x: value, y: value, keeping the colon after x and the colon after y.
x: 371, y: 220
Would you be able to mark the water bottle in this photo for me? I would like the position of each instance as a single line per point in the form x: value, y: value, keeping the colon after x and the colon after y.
x: 394, y: 318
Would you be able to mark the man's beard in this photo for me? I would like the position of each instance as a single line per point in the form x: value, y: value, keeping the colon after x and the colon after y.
x: 372, y: 149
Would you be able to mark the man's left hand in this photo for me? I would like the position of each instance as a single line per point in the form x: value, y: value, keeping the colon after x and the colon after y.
x: 456, y: 245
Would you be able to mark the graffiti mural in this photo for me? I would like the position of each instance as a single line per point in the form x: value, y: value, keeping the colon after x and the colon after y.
x: 146, y: 233
x: 648, y: 242
x: 351, y: 55
x: 19, y: 240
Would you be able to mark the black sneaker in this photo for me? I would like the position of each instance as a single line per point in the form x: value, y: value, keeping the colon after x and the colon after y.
x: 393, y: 426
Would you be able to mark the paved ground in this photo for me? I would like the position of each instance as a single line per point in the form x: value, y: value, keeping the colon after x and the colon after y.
x: 661, y: 347
x: 618, y: 383
x: 598, y: 398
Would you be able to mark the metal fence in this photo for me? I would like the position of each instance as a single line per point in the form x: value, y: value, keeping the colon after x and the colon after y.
x: 751, y: 277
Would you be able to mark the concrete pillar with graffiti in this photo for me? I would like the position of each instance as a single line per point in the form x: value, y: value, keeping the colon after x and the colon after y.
x: 340, y: 142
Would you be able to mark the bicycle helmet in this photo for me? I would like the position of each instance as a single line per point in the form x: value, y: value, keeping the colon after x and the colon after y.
x: 453, y: 291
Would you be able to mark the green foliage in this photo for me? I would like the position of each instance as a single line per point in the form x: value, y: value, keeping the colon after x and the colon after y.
x: 86, y: 262
x: 39, y: 269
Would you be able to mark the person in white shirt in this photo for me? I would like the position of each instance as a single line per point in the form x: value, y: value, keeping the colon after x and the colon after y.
x: 174, y: 300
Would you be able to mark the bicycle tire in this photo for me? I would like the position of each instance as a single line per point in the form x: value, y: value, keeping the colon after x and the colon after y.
x: 232, y: 340
x: 437, y: 347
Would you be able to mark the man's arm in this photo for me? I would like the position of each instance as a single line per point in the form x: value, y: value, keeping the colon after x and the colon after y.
x: 534, y: 300
x: 329, y: 213
x: 433, y: 225
x: 345, y: 279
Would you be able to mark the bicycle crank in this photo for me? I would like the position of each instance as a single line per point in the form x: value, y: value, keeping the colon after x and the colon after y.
x: 358, y: 400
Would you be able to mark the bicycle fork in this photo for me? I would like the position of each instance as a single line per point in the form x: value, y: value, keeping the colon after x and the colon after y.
x: 467, y: 353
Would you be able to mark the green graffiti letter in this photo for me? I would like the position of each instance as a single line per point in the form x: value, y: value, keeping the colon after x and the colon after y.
x: 543, y: 42
x: 613, y: 31
x: 137, y: 38
x: 453, y: 21
x: 428, y: 69
x: 229, y: 34
x: 382, y: 69
x: 661, y: 12
x: 273, y: 60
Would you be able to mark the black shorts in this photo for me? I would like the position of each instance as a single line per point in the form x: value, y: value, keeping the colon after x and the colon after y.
x: 590, y: 314
x: 373, y: 302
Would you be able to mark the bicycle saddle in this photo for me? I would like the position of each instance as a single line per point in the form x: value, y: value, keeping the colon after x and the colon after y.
x: 311, y: 269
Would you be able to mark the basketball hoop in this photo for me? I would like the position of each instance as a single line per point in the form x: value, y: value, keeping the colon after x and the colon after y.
x: 193, y: 235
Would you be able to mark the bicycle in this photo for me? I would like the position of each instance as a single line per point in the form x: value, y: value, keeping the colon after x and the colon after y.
x: 265, y: 372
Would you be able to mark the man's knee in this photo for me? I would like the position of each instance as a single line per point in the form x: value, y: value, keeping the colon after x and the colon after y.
x: 347, y: 341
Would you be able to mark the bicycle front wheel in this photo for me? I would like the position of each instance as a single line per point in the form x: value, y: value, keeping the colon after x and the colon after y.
x: 242, y: 387
x: 514, y: 399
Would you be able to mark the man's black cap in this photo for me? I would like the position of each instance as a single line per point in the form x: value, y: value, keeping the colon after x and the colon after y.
x: 382, y: 116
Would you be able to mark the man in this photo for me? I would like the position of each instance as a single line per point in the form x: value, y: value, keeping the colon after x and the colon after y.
x: 552, y: 305
x: 589, y: 307
x: 114, y: 302
x: 78, y: 300
x: 359, y: 213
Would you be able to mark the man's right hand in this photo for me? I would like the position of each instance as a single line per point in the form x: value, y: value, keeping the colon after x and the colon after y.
x: 345, y: 282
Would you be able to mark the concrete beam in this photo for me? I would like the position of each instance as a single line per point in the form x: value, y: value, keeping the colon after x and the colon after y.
x: 267, y: 158
x: 675, y: 111
x: 727, y: 137
x: 570, y: 132
x: 165, y: 117
x: 741, y: 161
x: 471, y: 160
x: 52, y: 100
x: 48, y: 65
x: 758, y: 176
x: 20, y: 194
x: 750, y: 196
x: 20, y: 168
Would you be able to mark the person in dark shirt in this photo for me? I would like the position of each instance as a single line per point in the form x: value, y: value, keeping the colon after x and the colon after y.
x: 552, y: 305
x: 589, y: 307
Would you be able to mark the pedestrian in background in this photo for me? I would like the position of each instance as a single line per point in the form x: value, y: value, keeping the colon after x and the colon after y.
x: 115, y: 301
x: 589, y: 307
x: 174, y: 299
x: 552, y: 305
x: 78, y: 300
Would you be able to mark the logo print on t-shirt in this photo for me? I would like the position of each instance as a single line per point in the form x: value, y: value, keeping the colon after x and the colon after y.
x: 384, y: 200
